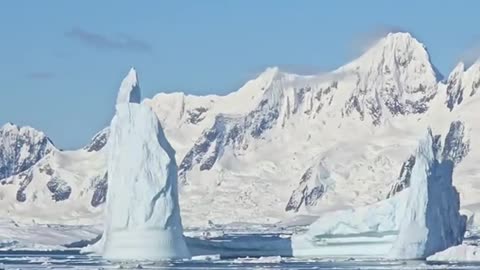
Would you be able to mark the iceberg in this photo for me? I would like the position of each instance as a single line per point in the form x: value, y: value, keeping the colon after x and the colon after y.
x: 416, y: 223
x: 432, y: 221
x: 461, y: 253
x: 366, y: 231
x: 142, y: 210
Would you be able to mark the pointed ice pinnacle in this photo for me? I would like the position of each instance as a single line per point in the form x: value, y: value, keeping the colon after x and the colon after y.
x: 129, y: 89
x: 142, y: 211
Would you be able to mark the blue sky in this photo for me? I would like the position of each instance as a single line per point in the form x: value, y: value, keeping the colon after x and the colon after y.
x: 61, y: 62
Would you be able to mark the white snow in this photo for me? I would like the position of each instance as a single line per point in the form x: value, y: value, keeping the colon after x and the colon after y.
x: 260, y: 260
x: 460, y: 253
x: 143, y: 215
x: 432, y: 221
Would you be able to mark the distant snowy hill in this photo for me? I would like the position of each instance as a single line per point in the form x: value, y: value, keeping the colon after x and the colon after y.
x: 282, y: 145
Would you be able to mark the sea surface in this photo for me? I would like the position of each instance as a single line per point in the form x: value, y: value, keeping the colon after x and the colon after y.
x: 73, y: 260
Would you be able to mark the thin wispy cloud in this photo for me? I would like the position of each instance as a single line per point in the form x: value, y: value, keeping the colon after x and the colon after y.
x: 472, y: 54
x: 104, y: 42
x: 40, y: 75
x: 366, y: 40
x: 303, y: 69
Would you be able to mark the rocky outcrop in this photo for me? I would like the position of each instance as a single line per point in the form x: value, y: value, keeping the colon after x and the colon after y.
x: 100, y: 186
x: 311, y: 188
x: 98, y: 141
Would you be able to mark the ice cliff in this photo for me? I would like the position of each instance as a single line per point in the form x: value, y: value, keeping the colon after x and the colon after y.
x: 414, y: 224
x: 432, y: 221
x: 142, y: 214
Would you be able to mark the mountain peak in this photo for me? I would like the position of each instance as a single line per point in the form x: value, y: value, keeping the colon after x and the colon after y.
x: 394, y: 77
x: 129, y: 91
x: 269, y: 74
x: 20, y: 148
x: 399, y: 42
x: 400, y: 47
x: 271, y: 71
x: 9, y: 126
x: 400, y: 37
x: 395, y: 50
x: 459, y: 68
x: 463, y: 82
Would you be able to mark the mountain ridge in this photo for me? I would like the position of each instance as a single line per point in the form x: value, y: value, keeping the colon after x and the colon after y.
x: 246, y: 153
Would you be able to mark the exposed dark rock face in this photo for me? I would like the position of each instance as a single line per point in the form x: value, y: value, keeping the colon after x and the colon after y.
x: 46, y: 169
x: 454, y: 91
x: 475, y: 87
x: 455, y: 149
x: 196, y: 115
x: 228, y: 131
x: 310, y: 189
x: 100, y: 186
x: 403, y: 180
x: 225, y: 131
x: 27, y: 178
x: 456, y: 146
x: 98, y: 141
x: 59, y: 188
x: 367, y: 102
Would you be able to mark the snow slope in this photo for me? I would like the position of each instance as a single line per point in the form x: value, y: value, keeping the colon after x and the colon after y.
x: 287, y: 144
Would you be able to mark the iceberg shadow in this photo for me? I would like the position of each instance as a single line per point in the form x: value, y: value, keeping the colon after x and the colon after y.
x: 234, y: 246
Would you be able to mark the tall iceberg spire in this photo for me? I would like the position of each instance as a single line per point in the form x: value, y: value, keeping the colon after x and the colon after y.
x: 432, y: 221
x: 142, y: 213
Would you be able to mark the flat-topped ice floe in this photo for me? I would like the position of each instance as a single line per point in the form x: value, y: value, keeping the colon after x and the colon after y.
x: 142, y: 213
x: 461, y: 253
x: 414, y: 224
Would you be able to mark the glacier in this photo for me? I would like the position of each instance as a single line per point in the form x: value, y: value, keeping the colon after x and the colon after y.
x: 142, y: 210
x: 414, y: 224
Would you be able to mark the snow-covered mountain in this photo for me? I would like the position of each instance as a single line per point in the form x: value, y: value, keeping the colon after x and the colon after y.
x: 285, y: 144
x: 21, y: 148
x: 462, y: 84
x: 57, y: 185
x: 394, y: 78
